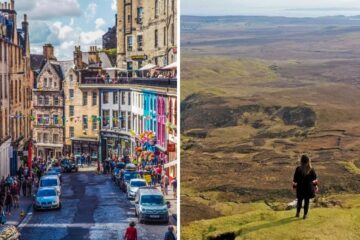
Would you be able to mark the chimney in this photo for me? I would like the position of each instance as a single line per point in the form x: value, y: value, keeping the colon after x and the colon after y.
x: 94, y: 55
x: 48, y: 52
x: 12, y: 5
x: 25, y: 28
x: 78, y: 58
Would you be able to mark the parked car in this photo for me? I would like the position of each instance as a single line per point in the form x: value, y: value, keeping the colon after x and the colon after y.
x: 50, y: 181
x: 47, y: 198
x: 134, y: 186
x: 9, y: 232
x: 150, y: 205
x: 69, y: 166
x: 58, y: 170
x: 125, y: 179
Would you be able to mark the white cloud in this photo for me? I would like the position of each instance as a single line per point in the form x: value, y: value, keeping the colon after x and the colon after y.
x: 61, y: 31
x: 91, y: 11
x: 49, y: 9
x: 25, y: 5
x: 67, y: 45
x: 99, y: 23
x: 114, y: 5
x: 92, y: 37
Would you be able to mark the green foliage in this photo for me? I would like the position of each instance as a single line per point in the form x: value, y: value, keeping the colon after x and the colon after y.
x: 111, y: 52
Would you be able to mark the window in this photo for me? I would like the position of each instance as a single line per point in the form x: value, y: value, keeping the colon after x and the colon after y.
x: 55, y: 138
x: 85, y: 122
x: 129, y: 120
x: 105, y: 98
x: 56, y: 101
x: 123, y: 117
x: 94, y: 122
x: 40, y: 100
x: 47, y: 101
x: 46, y: 137
x: 85, y: 98
x: 55, y: 84
x: 56, y: 119
x: 156, y: 38
x: 156, y: 8
x: 39, y: 137
x: 71, y: 78
x: 140, y: 14
x: 115, y: 119
x: 115, y: 98
x: 71, y: 111
x: 45, y: 82
x: 46, y: 119
x: 123, y: 98
x: 129, y: 43
x: 129, y: 98
x: 94, y: 98
x: 164, y: 36
x: 140, y: 42
x: 50, y: 82
x: 106, y: 118
x: 72, y: 132
x: 71, y: 93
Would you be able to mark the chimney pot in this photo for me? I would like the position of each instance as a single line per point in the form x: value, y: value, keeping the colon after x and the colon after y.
x: 25, y: 18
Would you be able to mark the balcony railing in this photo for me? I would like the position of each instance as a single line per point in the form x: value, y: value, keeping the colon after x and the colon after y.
x: 154, y: 82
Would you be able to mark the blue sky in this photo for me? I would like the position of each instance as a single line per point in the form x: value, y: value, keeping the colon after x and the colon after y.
x: 66, y: 23
x: 290, y: 8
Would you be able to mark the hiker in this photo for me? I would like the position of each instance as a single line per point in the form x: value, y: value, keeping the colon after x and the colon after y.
x: 306, y: 184
x: 131, y: 233
x: 174, y: 186
x: 169, y: 235
x: 8, y: 203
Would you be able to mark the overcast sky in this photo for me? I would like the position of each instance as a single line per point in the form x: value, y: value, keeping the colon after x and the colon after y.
x: 65, y: 23
x: 294, y: 8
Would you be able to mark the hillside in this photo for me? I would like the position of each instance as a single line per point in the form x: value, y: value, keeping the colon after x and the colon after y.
x: 247, y: 117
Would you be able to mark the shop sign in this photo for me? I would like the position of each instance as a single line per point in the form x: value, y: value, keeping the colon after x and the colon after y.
x: 171, y: 147
x: 139, y: 57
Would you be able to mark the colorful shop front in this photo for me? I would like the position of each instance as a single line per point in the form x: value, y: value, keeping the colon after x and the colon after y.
x: 115, y: 144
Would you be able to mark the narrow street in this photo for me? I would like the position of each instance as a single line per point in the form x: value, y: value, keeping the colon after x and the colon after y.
x: 92, y: 208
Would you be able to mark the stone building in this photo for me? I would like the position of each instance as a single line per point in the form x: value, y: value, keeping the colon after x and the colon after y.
x: 15, y: 90
x: 48, y: 101
x: 82, y: 125
x: 147, y: 33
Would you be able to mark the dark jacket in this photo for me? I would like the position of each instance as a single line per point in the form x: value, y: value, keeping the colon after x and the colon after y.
x: 169, y: 236
x: 305, y: 187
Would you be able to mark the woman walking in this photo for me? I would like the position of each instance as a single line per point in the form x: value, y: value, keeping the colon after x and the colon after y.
x: 8, y: 203
x: 131, y: 232
x: 305, y: 182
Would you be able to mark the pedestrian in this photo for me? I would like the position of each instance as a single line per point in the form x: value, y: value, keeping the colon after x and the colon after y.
x: 306, y: 184
x: 166, y: 184
x: 29, y: 183
x: 174, y: 186
x: 8, y: 203
x: 2, y: 216
x: 14, y: 194
x: 131, y: 232
x: 24, y: 185
x: 169, y: 235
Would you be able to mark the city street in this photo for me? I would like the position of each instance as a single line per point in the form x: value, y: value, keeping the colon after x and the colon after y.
x: 92, y: 208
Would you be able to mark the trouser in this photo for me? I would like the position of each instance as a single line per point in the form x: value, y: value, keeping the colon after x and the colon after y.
x: 306, y: 205
x: 8, y: 208
x: 24, y: 191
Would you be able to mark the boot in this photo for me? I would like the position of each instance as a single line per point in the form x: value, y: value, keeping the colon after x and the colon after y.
x: 304, y: 217
x: 297, y: 214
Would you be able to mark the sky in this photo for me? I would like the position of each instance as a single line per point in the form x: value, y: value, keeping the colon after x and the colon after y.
x: 66, y: 23
x: 289, y: 8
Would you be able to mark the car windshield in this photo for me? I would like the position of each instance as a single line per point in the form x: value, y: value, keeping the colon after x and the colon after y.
x: 48, y: 183
x: 130, y: 175
x: 152, y: 200
x: 138, y: 184
x: 46, y: 193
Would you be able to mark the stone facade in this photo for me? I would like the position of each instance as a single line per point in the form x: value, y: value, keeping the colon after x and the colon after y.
x: 147, y: 33
x: 48, y: 100
x: 15, y: 90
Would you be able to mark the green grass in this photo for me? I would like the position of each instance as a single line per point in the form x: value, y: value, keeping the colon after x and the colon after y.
x: 264, y: 223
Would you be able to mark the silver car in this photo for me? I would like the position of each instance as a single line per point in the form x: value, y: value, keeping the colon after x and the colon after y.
x: 47, y: 198
x: 134, y: 185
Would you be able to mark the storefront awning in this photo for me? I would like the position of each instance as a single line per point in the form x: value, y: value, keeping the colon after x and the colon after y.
x: 170, y: 66
x: 147, y: 67
x: 171, y: 164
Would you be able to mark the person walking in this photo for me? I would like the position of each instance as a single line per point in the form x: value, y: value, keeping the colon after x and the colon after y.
x: 24, y: 185
x: 8, y: 203
x: 170, y: 235
x: 174, y: 186
x: 131, y: 232
x: 306, y: 184
x: 14, y: 193
x: 166, y: 184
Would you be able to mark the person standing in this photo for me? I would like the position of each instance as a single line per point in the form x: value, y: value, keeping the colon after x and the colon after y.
x: 306, y: 184
x: 174, y: 186
x: 169, y: 235
x: 166, y: 184
x: 8, y: 203
x: 131, y: 232
x: 24, y: 185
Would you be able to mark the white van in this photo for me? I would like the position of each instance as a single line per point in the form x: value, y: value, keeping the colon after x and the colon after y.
x: 50, y: 181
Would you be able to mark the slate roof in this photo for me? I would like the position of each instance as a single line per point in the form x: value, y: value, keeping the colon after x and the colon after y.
x: 36, y: 62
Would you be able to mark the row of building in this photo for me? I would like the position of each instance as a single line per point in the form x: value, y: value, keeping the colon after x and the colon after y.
x: 16, y: 81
